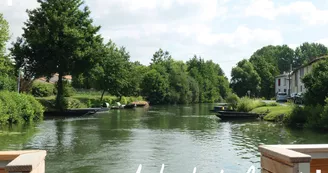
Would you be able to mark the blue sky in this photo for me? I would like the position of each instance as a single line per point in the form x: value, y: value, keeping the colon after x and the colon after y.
x: 225, y: 31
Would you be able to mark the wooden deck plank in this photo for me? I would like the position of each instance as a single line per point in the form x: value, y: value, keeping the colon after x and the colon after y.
x: 26, y: 162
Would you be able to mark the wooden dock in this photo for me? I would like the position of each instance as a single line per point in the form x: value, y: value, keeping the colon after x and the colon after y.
x: 294, y: 158
x: 30, y: 161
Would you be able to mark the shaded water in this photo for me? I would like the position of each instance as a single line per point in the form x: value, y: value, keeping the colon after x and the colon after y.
x: 181, y: 137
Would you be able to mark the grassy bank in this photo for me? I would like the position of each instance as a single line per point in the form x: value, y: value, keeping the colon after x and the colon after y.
x: 273, y: 113
x: 85, y: 101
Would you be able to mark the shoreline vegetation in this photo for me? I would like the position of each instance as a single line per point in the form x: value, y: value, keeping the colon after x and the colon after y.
x: 93, y: 63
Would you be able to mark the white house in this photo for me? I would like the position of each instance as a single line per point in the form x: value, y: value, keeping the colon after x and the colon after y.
x: 295, y: 79
x: 297, y: 85
x: 282, y: 83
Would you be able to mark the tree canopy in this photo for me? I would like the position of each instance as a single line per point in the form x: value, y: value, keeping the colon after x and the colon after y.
x: 244, y: 78
x: 60, y: 38
x: 307, y: 52
x: 316, y: 83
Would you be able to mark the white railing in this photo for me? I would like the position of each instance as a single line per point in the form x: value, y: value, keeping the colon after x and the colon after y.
x: 250, y: 170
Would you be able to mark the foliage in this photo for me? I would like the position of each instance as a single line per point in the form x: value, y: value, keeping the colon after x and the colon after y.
x: 297, y: 117
x: 4, y: 34
x: 316, y: 83
x: 58, y: 38
x: 43, y: 89
x: 244, y: 78
x: 307, y: 52
x: 112, y: 74
x: 212, y: 84
x: 232, y: 99
x: 154, y: 87
x: 68, y: 90
x: 7, y: 83
x: 247, y: 104
x: 19, y: 108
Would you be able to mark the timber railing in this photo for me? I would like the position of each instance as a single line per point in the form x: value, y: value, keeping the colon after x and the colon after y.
x: 31, y: 161
x: 294, y: 158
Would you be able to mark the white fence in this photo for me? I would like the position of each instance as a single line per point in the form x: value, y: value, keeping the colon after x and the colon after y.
x: 250, y: 170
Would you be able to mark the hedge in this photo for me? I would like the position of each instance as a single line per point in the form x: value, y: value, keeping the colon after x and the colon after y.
x: 19, y: 108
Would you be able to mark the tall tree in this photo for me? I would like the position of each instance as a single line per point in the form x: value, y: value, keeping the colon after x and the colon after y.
x: 112, y: 73
x: 4, y: 34
x: 59, y: 37
x: 307, y: 52
x: 245, y: 78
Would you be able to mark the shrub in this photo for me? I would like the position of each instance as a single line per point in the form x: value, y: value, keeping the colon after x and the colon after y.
x: 41, y: 89
x: 7, y: 83
x: 247, y: 104
x: 68, y: 89
x: 17, y: 108
x: 272, y: 104
x: 71, y: 103
x: 298, y: 117
x: 232, y: 99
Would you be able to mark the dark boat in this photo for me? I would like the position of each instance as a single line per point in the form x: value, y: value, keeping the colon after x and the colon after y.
x: 74, y: 112
x: 236, y: 115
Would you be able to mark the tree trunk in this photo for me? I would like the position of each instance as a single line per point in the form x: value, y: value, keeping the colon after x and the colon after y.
x: 60, y: 91
x: 102, y: 95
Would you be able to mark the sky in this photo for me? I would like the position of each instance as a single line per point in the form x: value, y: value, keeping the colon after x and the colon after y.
x: 225, y: 31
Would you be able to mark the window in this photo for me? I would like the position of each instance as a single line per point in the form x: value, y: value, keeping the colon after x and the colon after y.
x: 285, y: 90
x: 278, y: 82
x: 302, y: 72
x: 296, y: 79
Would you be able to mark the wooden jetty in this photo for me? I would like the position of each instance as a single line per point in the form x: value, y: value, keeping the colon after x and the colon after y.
x: 228, y: 115
x: 311, y: 158
x: 30, y: 161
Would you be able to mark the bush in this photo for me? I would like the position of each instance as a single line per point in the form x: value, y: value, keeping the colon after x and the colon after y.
x: 18, y: 108
x: 232, y: 99
x: 298, y: 116
x: 7, y: 83
x: 41, y: 89
x: 247, y: 104
x: 68, y: 89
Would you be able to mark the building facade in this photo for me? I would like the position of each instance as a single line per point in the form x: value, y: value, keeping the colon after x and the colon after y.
x: 294, y: 78
x: 282, y: 83
x: 297, y: 86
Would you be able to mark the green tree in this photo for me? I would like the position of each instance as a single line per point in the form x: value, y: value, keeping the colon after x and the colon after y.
x: 112, y: 73
x: 59, y: 37
x: 316, y: 83
x: 269, y: 62
x: 307, y: 52
x: 154, y: 87
x: 210, y: 78
x: 4, y: 34
x: 245, y: 78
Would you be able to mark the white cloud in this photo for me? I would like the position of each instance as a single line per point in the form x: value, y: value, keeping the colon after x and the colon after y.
x: 306, y: 10
x: 323, y: 41
x: 242, y: 36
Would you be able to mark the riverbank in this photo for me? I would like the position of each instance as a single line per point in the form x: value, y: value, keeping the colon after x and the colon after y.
x: 85, y: 101
x: 273, y: 113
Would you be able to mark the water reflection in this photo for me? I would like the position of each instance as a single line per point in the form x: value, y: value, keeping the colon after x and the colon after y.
x: 182, y: 137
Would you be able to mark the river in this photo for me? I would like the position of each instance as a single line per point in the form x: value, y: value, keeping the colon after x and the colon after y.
x: 181, y: 137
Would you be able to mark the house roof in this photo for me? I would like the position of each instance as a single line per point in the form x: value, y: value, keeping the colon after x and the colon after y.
x: 311, y: 62
x: 54, y: 78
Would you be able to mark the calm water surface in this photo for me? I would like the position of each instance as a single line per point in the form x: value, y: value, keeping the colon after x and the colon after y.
x: 181, y: 137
